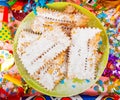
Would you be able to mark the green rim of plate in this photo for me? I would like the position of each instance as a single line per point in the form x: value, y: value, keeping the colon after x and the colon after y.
x: 69, y: 87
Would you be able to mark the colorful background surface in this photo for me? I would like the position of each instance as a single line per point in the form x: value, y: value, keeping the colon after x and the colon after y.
x: 13, y: 87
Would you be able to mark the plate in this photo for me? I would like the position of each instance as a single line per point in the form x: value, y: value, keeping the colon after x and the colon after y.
x: 66, y: 87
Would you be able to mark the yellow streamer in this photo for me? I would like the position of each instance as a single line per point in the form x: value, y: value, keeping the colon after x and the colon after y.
x: 12, y: 79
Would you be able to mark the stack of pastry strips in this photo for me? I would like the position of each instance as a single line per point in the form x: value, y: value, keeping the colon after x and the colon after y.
x: 43, y: 49
x: 57, y: 47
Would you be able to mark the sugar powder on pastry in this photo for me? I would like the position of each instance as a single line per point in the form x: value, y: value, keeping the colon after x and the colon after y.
x: 83, y: 53
x: 59, y: 46
x: 52, y: 72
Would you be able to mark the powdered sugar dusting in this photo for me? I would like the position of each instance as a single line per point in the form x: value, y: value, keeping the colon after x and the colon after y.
x: 82, y: 59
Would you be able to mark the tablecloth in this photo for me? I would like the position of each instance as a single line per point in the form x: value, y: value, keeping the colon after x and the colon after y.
x: 107, y: 87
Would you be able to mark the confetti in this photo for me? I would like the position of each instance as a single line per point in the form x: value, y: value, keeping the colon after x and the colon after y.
x: 62, y: 82
x: 111, y: 21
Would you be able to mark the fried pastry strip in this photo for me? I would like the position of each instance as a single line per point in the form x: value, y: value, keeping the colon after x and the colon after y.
x: 83, y: 53
x: 52, y: 72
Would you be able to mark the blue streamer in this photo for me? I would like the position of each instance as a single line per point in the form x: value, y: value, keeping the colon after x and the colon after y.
x: 34, y: 5
x: 42, y: 3
x: 27, y: 7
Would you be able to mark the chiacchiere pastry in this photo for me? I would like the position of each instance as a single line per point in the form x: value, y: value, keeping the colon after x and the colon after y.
x: 57, y: 16
x: 57, y: 47
x: 51, y: 16
x: 66, y: 19
x: 52, y: 72
x: 83, y: 55
x: 42, y: 24
x: 43, y: 49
